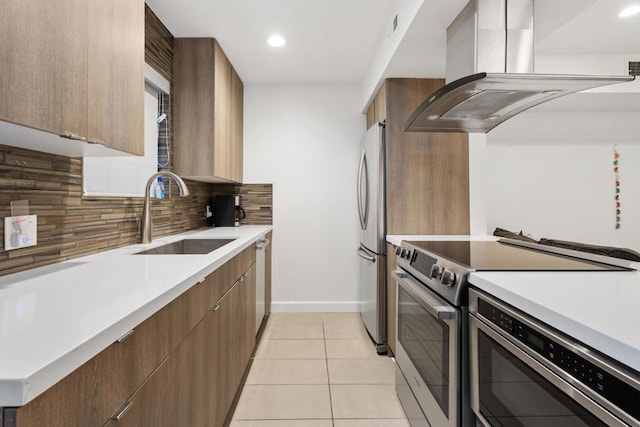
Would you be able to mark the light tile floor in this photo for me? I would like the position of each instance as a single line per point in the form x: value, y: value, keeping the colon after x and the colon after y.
x: 318, y: 370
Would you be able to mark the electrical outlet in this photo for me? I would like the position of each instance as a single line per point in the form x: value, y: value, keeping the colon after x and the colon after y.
x: 20, y: 231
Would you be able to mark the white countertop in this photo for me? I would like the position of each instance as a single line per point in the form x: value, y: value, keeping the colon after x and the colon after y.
x: 396, y: 239
x: 600, y: 309
x: 55, y: 318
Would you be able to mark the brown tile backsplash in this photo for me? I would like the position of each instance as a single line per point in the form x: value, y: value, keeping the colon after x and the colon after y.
x: 70, y: 226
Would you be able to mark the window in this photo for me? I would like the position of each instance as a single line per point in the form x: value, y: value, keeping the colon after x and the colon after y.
x: 127, y: 176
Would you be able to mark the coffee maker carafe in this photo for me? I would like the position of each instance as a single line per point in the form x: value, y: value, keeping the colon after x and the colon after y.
x: 240, y: 213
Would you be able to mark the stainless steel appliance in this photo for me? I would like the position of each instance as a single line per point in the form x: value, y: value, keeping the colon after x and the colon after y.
x: 489, y: 71
x: 433, y: 326
x: 524, y: 373
x: 371, y: 213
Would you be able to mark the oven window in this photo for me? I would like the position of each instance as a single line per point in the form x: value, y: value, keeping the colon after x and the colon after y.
x: 426, y: 342
x: 512, y: 394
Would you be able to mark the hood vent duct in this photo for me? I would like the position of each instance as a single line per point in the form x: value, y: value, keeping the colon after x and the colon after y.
x: 490, y: 71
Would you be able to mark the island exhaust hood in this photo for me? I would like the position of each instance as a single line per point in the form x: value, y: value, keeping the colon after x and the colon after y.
x: 490, y: 71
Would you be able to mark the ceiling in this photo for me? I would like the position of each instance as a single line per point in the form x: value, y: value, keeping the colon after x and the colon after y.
x: 336, y: 40
x: 586, y: 27
x: 327, y: 40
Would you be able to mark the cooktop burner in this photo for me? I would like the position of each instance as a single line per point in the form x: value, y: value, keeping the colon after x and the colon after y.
x: 501, y: 256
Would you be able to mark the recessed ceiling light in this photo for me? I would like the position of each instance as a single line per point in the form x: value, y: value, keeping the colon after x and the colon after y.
x: 276, y: 41
x: 629, y: 11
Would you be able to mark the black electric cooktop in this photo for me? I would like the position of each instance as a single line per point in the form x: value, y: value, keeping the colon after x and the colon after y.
x: 502, y: 256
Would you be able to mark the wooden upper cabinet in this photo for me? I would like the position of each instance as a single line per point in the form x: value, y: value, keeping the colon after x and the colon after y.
x: 222, y: 146
x: 377, y: 111
x: 116, y: 74
x: 207, y: 96
x: 75, y: 68
x: 237, y: 112
x: 380, y: 104
x: 427, y: 173
x: 43, y: 52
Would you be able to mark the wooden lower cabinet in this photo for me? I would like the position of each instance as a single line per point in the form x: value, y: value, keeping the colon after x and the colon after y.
x: 236, y: 340
x: 180, y: 367
x: 150, y: 405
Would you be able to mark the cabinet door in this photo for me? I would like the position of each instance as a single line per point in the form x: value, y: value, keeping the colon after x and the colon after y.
x: 237, y: 95
x: 43, y: 53
x: 208, y: 97
x: 236, y: 330
x: 192, y: 373
x: 150, y: 405
x: 222, y: 157
x: 116, y: 74
x: 193, y: 106
x: 380, y: 105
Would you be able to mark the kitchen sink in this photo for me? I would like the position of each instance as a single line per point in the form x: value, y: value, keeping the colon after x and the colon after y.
x: 187, y: 247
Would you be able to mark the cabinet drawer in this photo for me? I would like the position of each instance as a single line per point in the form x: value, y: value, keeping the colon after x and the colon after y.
x: 224, y: 277
x: 184, y: 313
x: 150, y: 405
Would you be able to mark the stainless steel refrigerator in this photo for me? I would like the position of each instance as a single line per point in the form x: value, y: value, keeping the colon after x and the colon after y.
x: 371, y: 211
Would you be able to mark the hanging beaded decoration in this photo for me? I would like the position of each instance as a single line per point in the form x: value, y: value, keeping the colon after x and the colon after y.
x: 616, y: 172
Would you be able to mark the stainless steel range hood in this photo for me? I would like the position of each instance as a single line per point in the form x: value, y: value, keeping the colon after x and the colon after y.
x: 490, y: 71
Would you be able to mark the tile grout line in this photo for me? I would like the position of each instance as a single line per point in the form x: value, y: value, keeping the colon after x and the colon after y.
x: 326, y: 359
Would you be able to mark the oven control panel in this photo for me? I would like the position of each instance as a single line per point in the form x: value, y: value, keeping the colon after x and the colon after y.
x: 600, y: 381
x: 427, y: 266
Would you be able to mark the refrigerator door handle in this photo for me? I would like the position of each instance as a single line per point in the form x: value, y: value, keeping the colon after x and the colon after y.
x: 366, y: 256
x: 363, y: 173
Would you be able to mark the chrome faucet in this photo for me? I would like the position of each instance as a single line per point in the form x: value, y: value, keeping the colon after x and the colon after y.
x: 145, y: 222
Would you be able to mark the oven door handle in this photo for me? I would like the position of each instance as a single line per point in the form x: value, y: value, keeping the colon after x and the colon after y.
x: 434, y: 305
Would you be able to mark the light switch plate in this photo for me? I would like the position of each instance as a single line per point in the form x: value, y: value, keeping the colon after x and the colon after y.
x: 20, y: 231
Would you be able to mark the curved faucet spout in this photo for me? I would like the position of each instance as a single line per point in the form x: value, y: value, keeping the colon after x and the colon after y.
x: 145, y: 222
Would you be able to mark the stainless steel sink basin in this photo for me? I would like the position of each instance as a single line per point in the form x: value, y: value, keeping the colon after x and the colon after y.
x: 187, y: 247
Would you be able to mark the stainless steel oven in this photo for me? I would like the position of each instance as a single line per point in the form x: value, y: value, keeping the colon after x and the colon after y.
x: 524, y: 373
x: 427, y: 352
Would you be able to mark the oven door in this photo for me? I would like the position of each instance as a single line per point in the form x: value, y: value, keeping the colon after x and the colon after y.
x: 511, y: 388
x: 427, y: 349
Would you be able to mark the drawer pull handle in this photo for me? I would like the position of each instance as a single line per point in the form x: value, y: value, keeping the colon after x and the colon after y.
x: 73, y: 136
x: 215, y: 307
x: 126, y: 336
x: 202, y: 280
x: 123, y: 411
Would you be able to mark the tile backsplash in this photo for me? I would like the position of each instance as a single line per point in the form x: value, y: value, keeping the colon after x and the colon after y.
x: 70, y: 225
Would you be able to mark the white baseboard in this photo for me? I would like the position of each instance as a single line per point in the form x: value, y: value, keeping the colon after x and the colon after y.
x: 315, y: 306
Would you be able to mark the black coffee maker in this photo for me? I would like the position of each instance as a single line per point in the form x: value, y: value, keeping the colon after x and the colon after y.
x: 227, y: 211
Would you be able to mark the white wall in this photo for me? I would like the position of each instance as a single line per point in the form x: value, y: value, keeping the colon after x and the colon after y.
x: 551, y: 175
x: 305, y: 139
